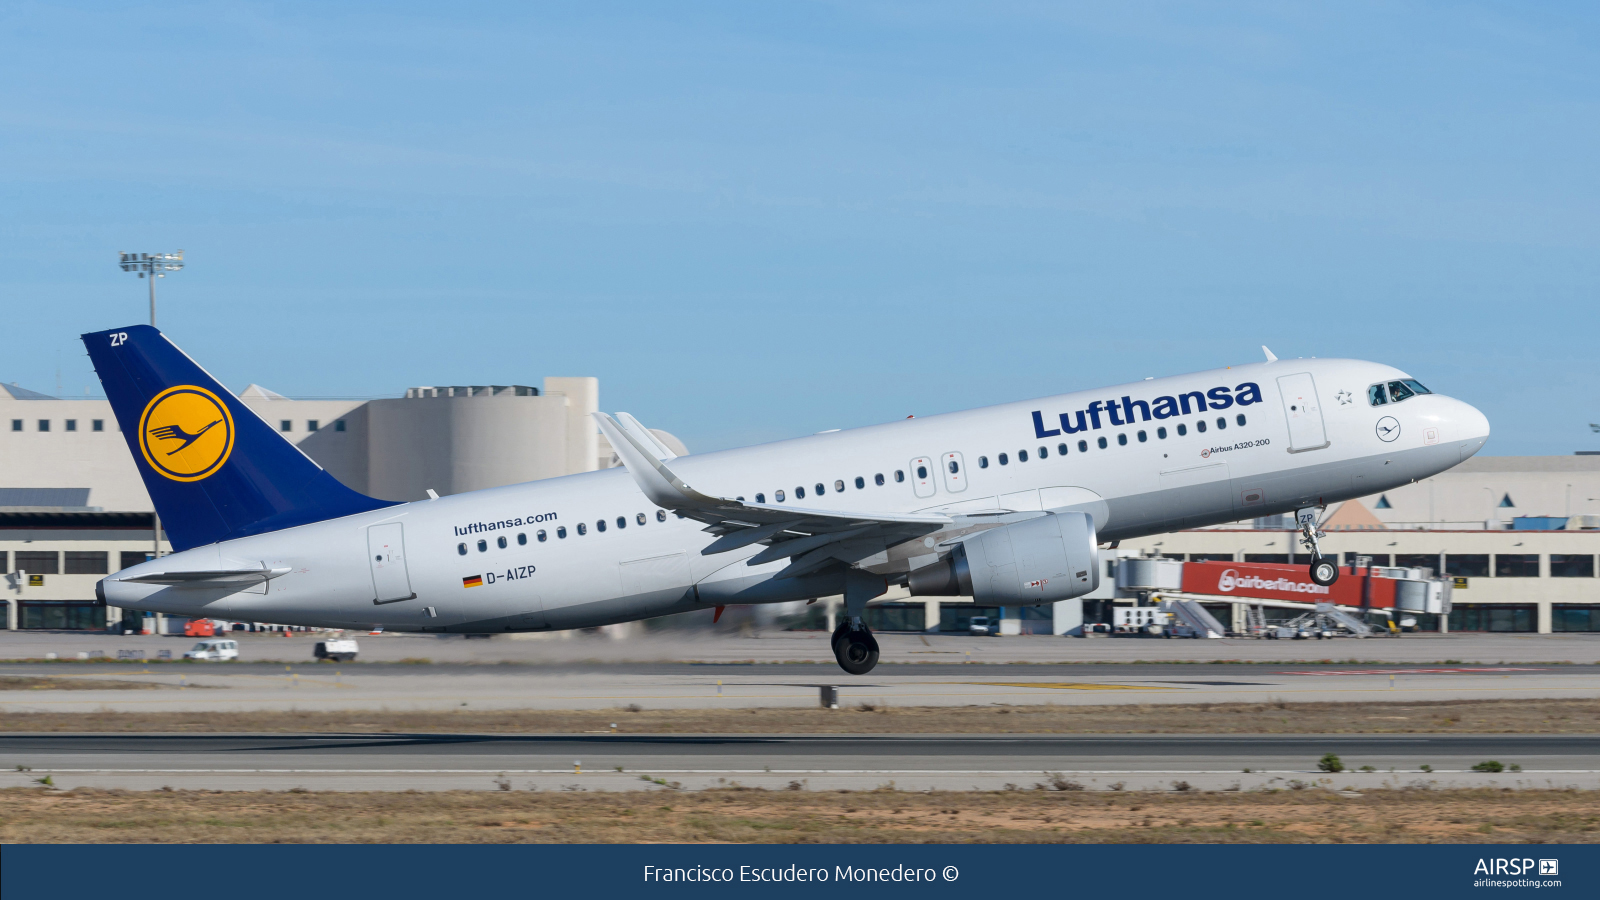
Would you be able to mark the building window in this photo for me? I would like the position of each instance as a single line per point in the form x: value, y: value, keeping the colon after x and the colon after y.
x: 1568, y: 565
x: 16, y: 424
x: 461, y: 549
x: 86, y: 562
x: 640, y: 519
x: 1516, y: 565
x: 1476, y: 617
x: 541, y: 536
x: 1429, y: 561
x: 129, y: 558
x: 1122, y: 440
x: 38, y: 562
x: 285, y: 425
x: 860, y: 482
x: 1240, y: 419
x: 561, y: 531
x: 1101, y: 441
x: 483, y: 546
x: 501, y: 542
x: 661, y: 514
x: 1467, y: 565
x: 44, y: 425
x: 72, y: 424
x: 338, y: 424
x: 600, y: 524
x: 311, y: 424
x: 1571, y: 617
x: 522, y: 539
x: 97, y: 424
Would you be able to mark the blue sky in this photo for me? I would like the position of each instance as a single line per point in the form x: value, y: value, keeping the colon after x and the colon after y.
x: 754, y: 221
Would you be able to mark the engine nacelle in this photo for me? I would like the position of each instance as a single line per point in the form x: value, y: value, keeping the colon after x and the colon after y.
x: 1042, y: 560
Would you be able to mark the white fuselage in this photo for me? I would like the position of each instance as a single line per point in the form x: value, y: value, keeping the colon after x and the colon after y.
x: 628, y: 570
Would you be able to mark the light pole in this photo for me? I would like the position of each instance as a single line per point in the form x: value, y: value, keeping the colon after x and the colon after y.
x: 152, y: 266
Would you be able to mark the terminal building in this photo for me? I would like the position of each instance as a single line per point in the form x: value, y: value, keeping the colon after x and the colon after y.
x: 1519, y: 535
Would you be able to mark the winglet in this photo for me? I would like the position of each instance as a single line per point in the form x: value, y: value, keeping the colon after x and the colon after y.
x: 650, y: 442
x: 659, y: 483
x: 1270, y: 356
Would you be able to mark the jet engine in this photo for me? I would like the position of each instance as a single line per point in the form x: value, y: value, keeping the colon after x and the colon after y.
x: 1040, y: 560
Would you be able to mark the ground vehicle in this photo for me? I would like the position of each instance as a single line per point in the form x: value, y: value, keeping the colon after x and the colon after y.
x: 980, y: 625
x: 336, y: 650
x: 214, y: 650
x: 200, y: 628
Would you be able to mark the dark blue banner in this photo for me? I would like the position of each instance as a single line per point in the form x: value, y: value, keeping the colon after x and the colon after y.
x: 1346, y: 872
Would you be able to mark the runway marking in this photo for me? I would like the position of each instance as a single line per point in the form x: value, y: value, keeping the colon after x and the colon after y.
x: 1414, y: 671
x: 1066, y: 685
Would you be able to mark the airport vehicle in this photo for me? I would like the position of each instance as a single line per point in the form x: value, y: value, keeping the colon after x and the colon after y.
x: 214, y: 650
x: 1005, y: 504
x: 336, y: 650
x: 979, y: 625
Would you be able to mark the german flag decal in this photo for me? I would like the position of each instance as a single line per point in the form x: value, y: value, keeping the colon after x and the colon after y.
x: 472, y: 581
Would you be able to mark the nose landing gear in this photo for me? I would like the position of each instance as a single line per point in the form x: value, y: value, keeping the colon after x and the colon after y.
x: 1324, y: 571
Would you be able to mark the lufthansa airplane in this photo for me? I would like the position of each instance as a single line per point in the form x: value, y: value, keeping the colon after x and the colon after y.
x: 1005, y: 504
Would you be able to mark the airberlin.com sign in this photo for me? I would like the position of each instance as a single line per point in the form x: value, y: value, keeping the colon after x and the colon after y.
x: 1231, y: 580
x: 1269, y: 581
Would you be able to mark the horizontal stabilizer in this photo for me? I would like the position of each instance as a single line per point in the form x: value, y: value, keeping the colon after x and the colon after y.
x: 209, y: 577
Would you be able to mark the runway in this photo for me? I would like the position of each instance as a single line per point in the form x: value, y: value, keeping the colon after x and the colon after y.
x: 910, y: 762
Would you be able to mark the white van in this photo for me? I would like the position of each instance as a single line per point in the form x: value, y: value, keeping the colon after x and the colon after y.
x: 336, y: 650
x: 218, y: 649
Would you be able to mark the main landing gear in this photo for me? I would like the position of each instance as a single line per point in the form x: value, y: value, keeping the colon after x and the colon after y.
x: 853, y: 644
x: 1324, y: 571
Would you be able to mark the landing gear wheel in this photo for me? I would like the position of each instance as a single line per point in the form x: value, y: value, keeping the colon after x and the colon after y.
x: 856, y: 651
x: 1324, y: 571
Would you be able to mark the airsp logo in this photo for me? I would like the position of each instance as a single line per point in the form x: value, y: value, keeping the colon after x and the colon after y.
x: 186, y: 433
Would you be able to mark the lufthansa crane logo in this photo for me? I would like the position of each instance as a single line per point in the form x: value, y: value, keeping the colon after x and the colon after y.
x: 186, y: 433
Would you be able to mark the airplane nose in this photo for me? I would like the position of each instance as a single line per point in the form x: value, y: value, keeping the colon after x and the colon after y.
x: 1473, y: 426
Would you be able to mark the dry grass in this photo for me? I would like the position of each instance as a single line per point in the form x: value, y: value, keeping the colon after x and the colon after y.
x: 37, y: 815
x: 55, y: 683
x: 1441, y: 717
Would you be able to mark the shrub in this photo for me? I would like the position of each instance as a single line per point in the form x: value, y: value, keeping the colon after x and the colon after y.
x: 1330, y: 762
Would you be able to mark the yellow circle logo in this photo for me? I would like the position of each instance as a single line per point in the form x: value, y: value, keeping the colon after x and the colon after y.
x: 186, y: 433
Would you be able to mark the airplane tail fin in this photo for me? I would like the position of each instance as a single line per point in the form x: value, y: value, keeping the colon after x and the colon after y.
x: 214, y: 469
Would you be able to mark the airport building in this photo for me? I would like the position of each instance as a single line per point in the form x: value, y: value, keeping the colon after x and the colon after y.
x: 1520, y: 536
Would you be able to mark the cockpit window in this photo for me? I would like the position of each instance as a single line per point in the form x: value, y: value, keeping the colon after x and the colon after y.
x: 1415, y: 386
x: 1398, y: 391
x: 1376, y: 396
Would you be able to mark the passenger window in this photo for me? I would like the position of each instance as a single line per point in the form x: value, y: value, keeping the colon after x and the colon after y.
x: 1415, y: 386
x: 799, y: 493
x: 1061, y: 449
x: 542, y: 536
x: 860, y: 482
x: 1240, y: 419
x: 661, y: 514
x: 1004, y: 459
x: 838, y: 485
x: 582, y: 528
x: 1183, y: 430
x: 461, y: 549
x: 522, y: 539
x: 1200, y: 426
x: 622, y: 521
x: 1022, y: 456
x: 779, y: 495
x: 983, y: 462
x: 641, y: 519
x: 1162, y: 432
x: 599, y: 524
x: 821, y: 489
x: 955, y: 467
x: 483, y: 546
x: 899, y: 476
x: 1044, y: 453
x: 922, y: 472
x: 1101, y: 442
x: 1122, y: 440
x: 1398, y: 392
x: 1083, y: 446
x: 1143, y: 437
x: 1222, y: 422
x: 1376, y: 396
x: 501, y: 542
x: 761, y: 498
x: 878, y: 479
x: 561, y: 532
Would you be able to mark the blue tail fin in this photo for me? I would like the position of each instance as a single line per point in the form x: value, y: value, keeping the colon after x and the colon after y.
x: 214, y: 469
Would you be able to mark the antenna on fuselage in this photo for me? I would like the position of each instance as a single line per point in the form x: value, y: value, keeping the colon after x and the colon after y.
x: 1271, y: 357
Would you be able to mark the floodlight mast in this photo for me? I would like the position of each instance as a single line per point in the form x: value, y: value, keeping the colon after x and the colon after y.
x: 152, y: 266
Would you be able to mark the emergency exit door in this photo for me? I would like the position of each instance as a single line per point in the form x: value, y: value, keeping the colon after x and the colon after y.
x: 1304, y: 412
x: 386, y: 553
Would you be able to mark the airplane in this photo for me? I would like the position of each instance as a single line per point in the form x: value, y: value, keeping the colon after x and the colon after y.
x: 1006, y: 504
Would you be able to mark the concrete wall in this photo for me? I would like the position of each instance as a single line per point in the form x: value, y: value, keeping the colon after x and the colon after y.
x: 458, y: 444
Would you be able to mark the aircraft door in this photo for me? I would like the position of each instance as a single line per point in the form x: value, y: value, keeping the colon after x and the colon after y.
x: 1304, y: 412
x: 955, y: 472
x: 386, y: 553
x: 922, y: 477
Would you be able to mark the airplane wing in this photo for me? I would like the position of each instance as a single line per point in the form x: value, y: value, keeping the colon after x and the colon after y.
x: 811, y: 538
